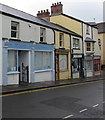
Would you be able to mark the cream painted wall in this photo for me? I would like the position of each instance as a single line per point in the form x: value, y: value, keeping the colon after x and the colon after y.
x: 43, y: 76
x: 68, y: 23
x: 26, y: 33
x: 102, y: 51
x: 66, y: 45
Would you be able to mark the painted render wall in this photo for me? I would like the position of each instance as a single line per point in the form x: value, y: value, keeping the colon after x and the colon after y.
x: 68, y: 23
x: 96, y: 46
x: 66, y: 45
x: 0, y: 48
x: 26, y: 33
x: 101, y: 36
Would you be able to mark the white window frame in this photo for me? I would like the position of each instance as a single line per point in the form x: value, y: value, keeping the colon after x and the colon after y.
x: 16, y: 31
x: 76, y: 43
x: 88, y: 47
x: 13, y: 71
x: 43, y: 34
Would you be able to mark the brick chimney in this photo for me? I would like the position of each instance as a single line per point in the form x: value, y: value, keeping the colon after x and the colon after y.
x: 56, y: 8
x: 44, y: 14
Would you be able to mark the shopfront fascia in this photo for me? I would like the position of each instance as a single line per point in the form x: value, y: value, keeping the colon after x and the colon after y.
x: 21, y: 64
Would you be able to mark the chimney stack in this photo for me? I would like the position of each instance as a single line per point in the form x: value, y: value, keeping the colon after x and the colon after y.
x: 56, y: 8
x: 44, y: 14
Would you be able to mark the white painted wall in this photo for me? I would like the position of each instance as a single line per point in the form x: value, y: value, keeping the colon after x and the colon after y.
x: 0, y: 48
x: 43, y: 76
x: 86, y: 35
x: 13, y: 79
x: 26, y: 33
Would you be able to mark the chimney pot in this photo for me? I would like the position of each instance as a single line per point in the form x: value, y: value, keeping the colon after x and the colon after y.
x: 38, y: 12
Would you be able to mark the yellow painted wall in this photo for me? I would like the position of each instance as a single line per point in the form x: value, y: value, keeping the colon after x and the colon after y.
x: 68, y: 23
x: 102, y: 51
x: 66, y: 45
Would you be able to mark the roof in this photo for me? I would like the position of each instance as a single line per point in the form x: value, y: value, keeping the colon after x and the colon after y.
x: 75, y: 19
x: 9, y: 11
x: 101, y: 27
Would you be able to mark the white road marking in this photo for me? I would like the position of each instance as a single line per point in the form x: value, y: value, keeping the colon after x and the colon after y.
x: 82, y: 110
x: 103, y: 102
x: 96, y: 105
x: 68, y: 116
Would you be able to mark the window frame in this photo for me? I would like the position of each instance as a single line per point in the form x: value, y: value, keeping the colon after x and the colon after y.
x: 12, y: 71
x: 87, y: 29
x: 43, y: 30
x: 16, y: 31
x: 88, y: 46
x: 61, y: 39
x: 76, y: 43
x: 42, y: 63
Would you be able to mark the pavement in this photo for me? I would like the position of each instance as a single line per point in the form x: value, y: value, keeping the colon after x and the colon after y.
x: 40, y: 85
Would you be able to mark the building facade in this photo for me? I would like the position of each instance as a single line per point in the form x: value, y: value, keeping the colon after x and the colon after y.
x: 65, y: 50
x: 27, y: 48
x: 101, y: 41
x: 89, y: 54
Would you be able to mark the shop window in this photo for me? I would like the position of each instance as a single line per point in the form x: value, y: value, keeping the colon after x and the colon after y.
x: 75, y: 65
x: 42, y: 35
x: 89, y: 65
x: 88, y: 46
x: 14, y: 29
x: 63, y: 62
x: 12, y: 61
x: 76, y: 43
x: 42, y: 60
x: 61, y: 39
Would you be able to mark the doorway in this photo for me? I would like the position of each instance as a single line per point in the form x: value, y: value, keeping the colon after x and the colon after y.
x: 23, y: 67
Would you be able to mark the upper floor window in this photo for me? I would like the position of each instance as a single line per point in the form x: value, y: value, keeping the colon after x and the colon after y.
x: 61, y: 39
x: 42, y: 35
x: 76, y: 43
x: 14, y: 29
x: 87, y: 29
x: 88, y: 46
x: 99, y: 43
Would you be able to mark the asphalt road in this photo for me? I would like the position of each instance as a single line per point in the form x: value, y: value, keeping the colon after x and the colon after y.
x: 74, y: 101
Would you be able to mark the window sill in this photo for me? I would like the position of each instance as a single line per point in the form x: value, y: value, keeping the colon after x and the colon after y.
x: 76, y: 48
x: 14, y: 72
x: 45, y: 70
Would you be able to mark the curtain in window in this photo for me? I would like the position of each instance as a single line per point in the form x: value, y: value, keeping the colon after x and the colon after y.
x: 63, y: 62
x: 38, y: 60
x: 12, y: 60
x: 46, y: 60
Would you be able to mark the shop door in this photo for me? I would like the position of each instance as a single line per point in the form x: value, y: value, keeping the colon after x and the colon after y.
x: 81, y: 72
x: 23, y: 67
